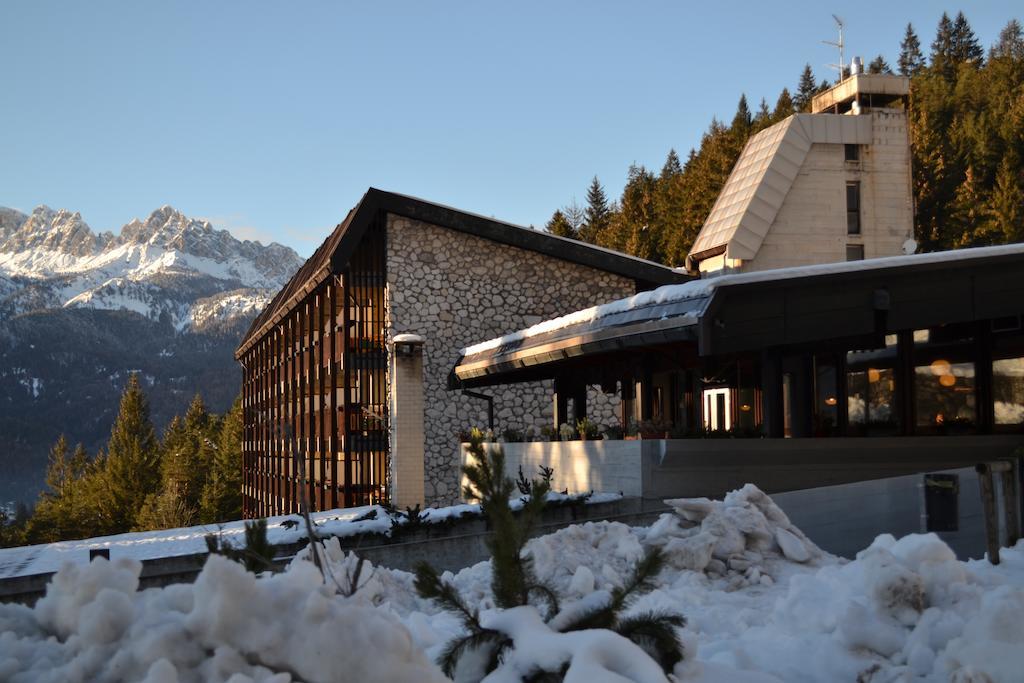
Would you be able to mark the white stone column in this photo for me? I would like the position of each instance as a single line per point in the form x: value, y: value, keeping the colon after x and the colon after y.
x: 407, y: 433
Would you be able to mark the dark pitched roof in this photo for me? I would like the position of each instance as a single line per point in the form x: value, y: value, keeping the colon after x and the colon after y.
x: 336, y: 250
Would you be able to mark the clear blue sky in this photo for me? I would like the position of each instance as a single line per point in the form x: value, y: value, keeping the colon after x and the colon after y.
x: 272, y: 118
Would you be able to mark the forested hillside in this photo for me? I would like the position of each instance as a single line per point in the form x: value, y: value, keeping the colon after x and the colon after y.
x: 967, y: 131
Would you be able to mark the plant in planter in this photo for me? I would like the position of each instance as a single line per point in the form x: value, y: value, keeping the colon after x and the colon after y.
x: 653, y: 429
x: 548, y: 433
x: 512, y: 435
x: 514, y: 586
x: 587, y: 430
x: 567, y: 432
x: 614, y: 433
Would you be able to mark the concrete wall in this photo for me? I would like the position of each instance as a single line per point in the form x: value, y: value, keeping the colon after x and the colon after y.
x: 456, y: 289
x: 845, y: 519
x: 811, y: 225
x: 579, y: 466
x: 674, y: 468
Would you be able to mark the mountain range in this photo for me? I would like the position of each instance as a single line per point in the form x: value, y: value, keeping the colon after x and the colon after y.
x: 168, y: 298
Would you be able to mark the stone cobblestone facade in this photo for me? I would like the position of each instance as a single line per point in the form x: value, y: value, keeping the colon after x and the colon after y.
x: 456, y: 289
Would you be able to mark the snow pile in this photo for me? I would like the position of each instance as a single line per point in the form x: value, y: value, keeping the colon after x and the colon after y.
x: 763, y: 604
x: 733, y: 537
x: 230, y: 625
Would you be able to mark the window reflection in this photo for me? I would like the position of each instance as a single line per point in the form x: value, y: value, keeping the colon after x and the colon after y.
x: 871, y: 390
x: 944, y: 381
x: 1008, y: 391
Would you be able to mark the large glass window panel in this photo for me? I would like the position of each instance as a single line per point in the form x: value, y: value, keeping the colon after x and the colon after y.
x: 871, y: 390
x: 944, y: 380
x: 1008, y: 391
x: 826, y: 397
x: 945, y: 395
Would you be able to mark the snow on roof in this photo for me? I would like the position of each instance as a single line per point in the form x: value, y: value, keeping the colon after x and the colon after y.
x: 706, y: 287
x: 763, y: 175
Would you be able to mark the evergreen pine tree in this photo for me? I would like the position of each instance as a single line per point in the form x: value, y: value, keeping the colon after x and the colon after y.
x: 132, y: 466
x: 559, y: 225
x: 222, y: 496
x: 597, y: 213
x: 878, y: 65
x: 911, y: 60
x: 1006, y: 206
x: 742, y: 120
x: 1010, y: 44
x: 805, y: 90
x: 784, y: 106
x: 942, y: 59
x: 964, y: 44
x: 575, y: 216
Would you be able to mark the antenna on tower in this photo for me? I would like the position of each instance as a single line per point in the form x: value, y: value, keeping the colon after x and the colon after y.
x: 841, y: 66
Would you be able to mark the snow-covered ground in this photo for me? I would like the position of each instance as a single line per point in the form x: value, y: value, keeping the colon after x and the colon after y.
x: 281, y: 530
x: 762, y: 604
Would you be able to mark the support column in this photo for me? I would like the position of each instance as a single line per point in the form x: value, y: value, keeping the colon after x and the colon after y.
x: 407, y: 415
x: 561, y: 404
x: 771, y: 384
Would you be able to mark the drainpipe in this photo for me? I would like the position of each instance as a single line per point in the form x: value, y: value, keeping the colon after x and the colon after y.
x: 490, y: 405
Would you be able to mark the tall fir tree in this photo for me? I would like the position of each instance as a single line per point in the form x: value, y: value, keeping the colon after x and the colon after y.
x: 1010, y: 43
x: 942, y: 60
x: 878, y: 65
x: 598, y: 212
x: 559, y: 225
x: 963, y: 43
x: 784, y: 106
x: 222, y: 496
x: 132, y: 466
x: 805, y: 89
x: 911, y: 60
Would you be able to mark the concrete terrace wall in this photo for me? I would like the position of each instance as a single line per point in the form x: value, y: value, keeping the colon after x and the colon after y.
x: 677, y: 468
x: 456, y: 289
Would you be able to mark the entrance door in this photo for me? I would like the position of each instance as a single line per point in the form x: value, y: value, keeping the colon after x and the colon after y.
x: 718, y: 409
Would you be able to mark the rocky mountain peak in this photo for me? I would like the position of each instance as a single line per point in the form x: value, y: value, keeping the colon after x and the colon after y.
x: 59, y: 231
x: 10, y: 221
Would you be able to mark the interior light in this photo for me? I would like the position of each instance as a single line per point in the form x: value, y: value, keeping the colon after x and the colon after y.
x: 745, y: 408
x: 874, y: 375
x: 940, y: 368
x: 830, y: 401
x: 947, y: 380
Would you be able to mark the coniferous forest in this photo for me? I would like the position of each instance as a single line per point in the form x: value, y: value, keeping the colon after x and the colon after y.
x: 966, y: 117
x: 191, y: 475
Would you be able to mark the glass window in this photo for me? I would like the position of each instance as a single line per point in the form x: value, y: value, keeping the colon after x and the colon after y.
x: 852, y: 152
x: 826, y: 397
x: 853, y: 208
x: 1008, y: 391
x: 944, y: 380
x: 854, y: 252
x: 871, y: 390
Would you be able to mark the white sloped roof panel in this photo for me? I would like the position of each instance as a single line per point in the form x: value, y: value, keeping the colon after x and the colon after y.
x: 764, y: 175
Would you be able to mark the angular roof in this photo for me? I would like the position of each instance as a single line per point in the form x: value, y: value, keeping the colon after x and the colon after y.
x: 332, y: 256
x: 762, y: 177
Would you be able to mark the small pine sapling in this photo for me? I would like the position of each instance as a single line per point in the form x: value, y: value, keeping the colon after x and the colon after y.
x: 514, y: 583
x: 257, y: 555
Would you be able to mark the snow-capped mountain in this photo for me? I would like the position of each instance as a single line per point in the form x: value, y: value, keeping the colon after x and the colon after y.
x: 167, y: 298
x: 167, y: 265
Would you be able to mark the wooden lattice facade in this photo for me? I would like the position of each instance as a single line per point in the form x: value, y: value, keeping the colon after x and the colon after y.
x: 315, y: 396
